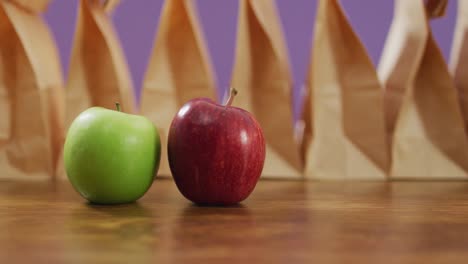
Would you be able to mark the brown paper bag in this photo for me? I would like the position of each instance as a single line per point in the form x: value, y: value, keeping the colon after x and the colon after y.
x: 459, y: 57
x: 423, y: 115
x: 179, y: 69
x: 345, y: 130
x: 31, y: 99
x: 261, y: 75
x: 98, y: 74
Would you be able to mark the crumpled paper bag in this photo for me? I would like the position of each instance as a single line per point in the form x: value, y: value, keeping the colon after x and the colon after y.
x: 31, y: 96
x: 344, y: 135
x: 98, y: 73
x: 423, y: 116
x: 261, y: 76
x: 459, y: 57
x: 179, y: 69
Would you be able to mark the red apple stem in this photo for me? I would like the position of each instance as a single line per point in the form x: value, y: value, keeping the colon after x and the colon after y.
x: 117, y: 105
x: 231, y: 97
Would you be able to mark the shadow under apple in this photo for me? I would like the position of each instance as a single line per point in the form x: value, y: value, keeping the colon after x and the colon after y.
x: 116, y: 233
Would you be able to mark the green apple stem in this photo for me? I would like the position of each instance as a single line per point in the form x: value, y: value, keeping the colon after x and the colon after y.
x: 117, y: 105
x: 231, y: 97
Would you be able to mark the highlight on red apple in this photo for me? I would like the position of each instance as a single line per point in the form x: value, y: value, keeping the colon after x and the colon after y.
x: 216, y: 152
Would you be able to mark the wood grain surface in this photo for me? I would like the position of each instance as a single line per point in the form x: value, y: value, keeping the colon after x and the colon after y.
x: 282, y: 222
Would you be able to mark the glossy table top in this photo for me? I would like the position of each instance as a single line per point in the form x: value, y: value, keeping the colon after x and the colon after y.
x: 282, y: 222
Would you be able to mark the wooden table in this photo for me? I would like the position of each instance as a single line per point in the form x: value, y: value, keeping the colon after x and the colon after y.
x: 282, y: 222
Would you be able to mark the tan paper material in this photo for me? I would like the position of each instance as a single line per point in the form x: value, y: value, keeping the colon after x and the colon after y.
x: 36, y: 6
x: 31, y: 96
x: 423, y: 116
x: 459, y: 57
x: 179, y: 69
x: 436, y: 8
x: 345, y: 129
x: 110, y: 5
x: 98, y: 74
x: 261, y: 75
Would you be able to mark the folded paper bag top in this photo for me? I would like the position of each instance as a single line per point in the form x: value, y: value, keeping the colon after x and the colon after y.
x: 98, y: 74
x: 31, y: 96
x: 344, y: 121
x: 403, y: 51
x: 261, y: 75
x: 436, y: 8
x: 423, y: 115
x: 36, y: 6
x: 110, y: 5
x: 459, y: 57
x: 179, y: 69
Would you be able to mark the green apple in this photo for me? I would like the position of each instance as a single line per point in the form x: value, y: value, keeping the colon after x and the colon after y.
x: 111, y: 157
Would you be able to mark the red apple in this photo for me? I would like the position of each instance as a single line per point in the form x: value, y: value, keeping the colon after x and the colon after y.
x: 216, y: 152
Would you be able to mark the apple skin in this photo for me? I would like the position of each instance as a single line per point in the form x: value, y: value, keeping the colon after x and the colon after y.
x: 216, y: 152
x: 111, y: 157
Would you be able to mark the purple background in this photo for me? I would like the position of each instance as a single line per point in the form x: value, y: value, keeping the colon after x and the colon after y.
x: 136, y: 22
